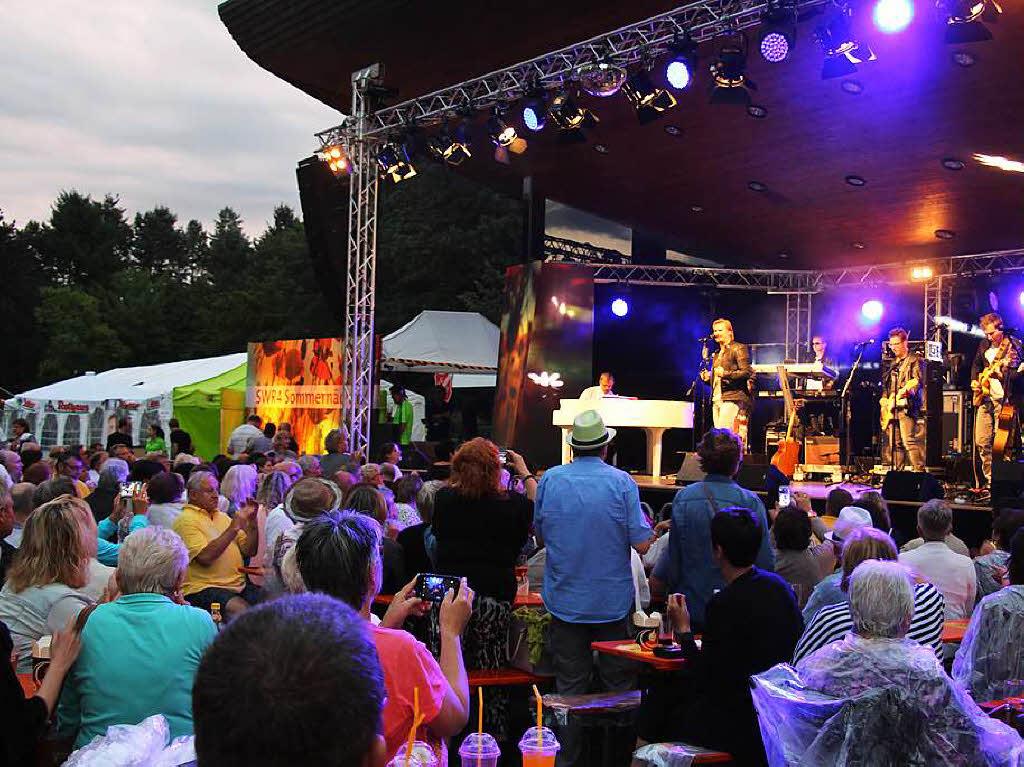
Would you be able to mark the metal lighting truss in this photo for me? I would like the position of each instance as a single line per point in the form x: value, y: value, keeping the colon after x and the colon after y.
x: 362, y: 267
x: 644, y: 40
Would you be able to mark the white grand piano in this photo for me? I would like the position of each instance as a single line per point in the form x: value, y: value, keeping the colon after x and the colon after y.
x: 654, y: 416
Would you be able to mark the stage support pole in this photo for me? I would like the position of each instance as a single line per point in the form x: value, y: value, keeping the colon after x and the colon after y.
x: 533, y: 221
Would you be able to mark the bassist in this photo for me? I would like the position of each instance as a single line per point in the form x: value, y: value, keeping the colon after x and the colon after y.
x: 992, y: 374
x: 901, y: 417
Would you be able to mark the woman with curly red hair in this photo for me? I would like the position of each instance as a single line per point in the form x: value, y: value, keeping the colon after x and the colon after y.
x: 480, y: 530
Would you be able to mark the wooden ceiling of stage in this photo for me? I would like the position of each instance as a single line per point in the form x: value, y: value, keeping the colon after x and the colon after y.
x: 916, y: 108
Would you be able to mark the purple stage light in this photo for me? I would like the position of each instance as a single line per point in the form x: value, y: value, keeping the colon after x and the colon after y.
x: 893, y: 15
x: 774, y: 47
x: 619, y: 307
x: 1022, y: 298
x: 678, y: 74
x: 872, y: 310
x: 533, y: 118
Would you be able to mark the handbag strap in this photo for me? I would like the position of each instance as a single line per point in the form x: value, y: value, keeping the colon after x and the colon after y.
x: 711, y: 499
x: 83, y: 616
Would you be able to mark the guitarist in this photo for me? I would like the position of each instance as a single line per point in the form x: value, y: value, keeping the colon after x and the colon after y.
x: 730, y: 378
x: 904, y: 384
x: 999, y: 388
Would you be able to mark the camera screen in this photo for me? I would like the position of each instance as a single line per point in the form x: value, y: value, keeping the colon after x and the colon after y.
x: 436, y: 586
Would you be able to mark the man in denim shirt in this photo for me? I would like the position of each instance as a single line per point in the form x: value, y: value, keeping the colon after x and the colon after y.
x: 686, y: 566
x: 588, y: 515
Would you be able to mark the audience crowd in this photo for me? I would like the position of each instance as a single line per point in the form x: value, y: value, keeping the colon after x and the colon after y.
x: 270, y: 604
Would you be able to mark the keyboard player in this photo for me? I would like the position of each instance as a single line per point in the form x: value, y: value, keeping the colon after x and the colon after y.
x: 820, y: 347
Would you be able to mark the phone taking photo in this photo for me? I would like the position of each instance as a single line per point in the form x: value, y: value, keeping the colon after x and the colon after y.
x: 785, y: 497
x: 432, y: 588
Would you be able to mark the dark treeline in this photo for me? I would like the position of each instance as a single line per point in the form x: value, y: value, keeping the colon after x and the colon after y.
x: 92, y: 289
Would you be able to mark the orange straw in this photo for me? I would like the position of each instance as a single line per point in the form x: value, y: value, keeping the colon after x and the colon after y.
x: 480, y: 726
x: 415, y: 723
x: 540, y: 709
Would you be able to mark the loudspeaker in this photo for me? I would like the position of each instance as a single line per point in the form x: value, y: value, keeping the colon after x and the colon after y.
x: 911, y: 486
x: 1007, y: 481
x: 752, y: 476
x: 324, y: 201
x: 690, y: 470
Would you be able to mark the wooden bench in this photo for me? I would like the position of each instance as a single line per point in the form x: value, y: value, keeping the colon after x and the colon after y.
x: 699, y: 755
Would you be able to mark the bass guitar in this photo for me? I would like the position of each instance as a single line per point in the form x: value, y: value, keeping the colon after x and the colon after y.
x: 889, y: 405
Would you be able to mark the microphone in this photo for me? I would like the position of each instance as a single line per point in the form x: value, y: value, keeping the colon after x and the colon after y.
x: 865, y: 343
x: 704, y: 339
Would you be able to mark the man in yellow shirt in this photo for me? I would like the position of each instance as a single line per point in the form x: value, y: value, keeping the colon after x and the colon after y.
x: 70, y: 465
x: 216, y: 546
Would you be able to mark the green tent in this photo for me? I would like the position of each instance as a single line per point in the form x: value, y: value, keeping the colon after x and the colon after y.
x: 211, y: 408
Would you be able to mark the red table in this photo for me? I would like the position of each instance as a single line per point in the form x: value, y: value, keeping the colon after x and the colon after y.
x: 953, y: 631
x: 623, y: 648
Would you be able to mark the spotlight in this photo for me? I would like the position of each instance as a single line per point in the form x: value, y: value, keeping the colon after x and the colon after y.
x: 1003, y: 163
x: 778, y: 33
x: 650, y: 102
x: 501, y: 133
x: 1021, y: 298
x: 535, y: 109
x: 682, y: 66
x: 921, y: 273
x: 729, y: 72
x: 620, y: 307
x: 842, y: 49
x: 571, y: 118
x: 964, y: 19
x: 449, y: 146
x: 335, y: 158
x: 872, y: 310
x: 602, y: 79
x: 393, y: 160
x: 893, y: 15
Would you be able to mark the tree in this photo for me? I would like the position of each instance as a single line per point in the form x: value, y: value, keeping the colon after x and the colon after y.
x: 229, y: 254
x: 78, y: 336
x: 19, y: 343
x: 158, y: 246
x: 85, y: 241
x: 197, y: 251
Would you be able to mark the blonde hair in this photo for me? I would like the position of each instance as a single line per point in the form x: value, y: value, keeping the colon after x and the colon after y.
x: 863, y: 544
x: 58, y: 542
x: 723, y: 321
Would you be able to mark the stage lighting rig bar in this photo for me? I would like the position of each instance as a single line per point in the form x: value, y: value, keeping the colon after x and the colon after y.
x: 570, y: 251
x: 628, y: 45
x: 769, y: 280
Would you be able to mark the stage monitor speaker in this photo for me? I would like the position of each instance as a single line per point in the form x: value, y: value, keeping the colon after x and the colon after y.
x: 1007, y: 481
x: 752, y: 476
x: 690, y: 470
x: 911, y: 486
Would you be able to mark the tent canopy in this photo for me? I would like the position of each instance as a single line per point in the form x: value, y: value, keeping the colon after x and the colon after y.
x: 135, y: 383
x: 443, y: 342
x: 199, y: 408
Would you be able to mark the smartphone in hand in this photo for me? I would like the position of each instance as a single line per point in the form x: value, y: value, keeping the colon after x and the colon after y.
x: 432, y: 588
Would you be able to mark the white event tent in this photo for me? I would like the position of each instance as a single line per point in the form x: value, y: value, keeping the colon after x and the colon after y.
x: 81, y: 409
x: 464, y: 344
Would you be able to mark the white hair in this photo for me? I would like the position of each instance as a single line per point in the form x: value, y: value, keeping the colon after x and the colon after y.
x: 239, y: 484
x: 181, y: 458
x: 881, y: 599
x: 309, y: 462
x: 118, y: 466
x: 196, y: 480
x: 151, y: 561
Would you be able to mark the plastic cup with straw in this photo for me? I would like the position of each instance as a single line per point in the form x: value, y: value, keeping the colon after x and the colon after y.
x: 479, y: 747
x: 539, y: 744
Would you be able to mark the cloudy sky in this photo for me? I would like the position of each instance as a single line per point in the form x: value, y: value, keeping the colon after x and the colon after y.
x: 150, y: 100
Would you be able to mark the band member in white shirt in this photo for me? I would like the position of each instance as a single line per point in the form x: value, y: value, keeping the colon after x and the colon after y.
x: 603, y: 388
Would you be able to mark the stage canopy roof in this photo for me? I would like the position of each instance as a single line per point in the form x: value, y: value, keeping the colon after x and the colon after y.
x: 712, y: 181
x: 445, y: 342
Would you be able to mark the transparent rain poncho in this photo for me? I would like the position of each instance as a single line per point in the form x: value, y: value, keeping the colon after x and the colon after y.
x: 865, y: 702
x: 992, y: 651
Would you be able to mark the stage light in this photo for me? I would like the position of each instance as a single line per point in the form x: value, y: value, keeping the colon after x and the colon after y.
x: 601, y: 79
x: 571, y: 118
x: 729, y: 72
x: 843, y: 51
x: 1021, y: 298
x: 620, y: 307
x: 335, y: 158
x: 893, y: 15
x: 650, y: 102
x: 872, y: 310
x: 547, y: 380
x: 964, y: 19
x: 920, y: 273
x: 1003, y: 163
x: 451, y: 147
x: 393, y: 161
x: 500, y: 132
x: 682, y: 64
x: 778, y: 33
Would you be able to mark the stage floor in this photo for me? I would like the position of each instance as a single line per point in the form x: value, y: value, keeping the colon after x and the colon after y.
x: 816, y: 491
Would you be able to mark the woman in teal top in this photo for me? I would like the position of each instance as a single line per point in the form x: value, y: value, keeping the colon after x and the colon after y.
x: 155, y: 440
x: 140, y: 652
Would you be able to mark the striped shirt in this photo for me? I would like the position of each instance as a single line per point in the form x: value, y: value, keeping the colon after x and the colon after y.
x: 835, y: 622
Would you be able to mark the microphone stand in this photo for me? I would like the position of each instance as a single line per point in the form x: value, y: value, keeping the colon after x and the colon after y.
x: 847, y: 413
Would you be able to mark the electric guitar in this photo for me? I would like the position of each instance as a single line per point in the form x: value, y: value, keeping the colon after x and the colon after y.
x: 889, y: 405
x: 1005, y: 357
